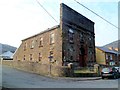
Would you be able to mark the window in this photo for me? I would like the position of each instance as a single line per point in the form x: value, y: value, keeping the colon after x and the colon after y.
x: 52, y: 38
x: 51, y: 55
x: 90, y: 52
x: 110, y: 56
x: 81, y: 37
x: 40, y: 57
x: 71, y: 49
x: 90, y: 38
x: 71, y: 35
x: 112, y: 63
x: 71, y: 31
x: 30, y: 56
x: 25, y: 46
x: 106, y: 56
x: 32, y: 44
x: 24, y: 57
x: 41, y: 42
x: 71, y: 58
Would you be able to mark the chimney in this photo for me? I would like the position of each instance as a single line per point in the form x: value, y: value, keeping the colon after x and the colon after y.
x: 110, y: 48
x: 116, y: 49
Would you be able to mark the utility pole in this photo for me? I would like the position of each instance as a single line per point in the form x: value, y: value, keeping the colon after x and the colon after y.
x: 50, y: 60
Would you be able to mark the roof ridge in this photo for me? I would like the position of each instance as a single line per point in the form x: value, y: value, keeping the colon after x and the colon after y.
x: 49, y: 29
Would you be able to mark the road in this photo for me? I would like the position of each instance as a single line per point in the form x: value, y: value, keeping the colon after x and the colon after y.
x: 13, y: 78
x: 0, y: 76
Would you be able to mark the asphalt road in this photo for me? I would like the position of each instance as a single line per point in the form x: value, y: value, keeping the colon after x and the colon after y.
x: 13, y: 78
x: 0, y: 77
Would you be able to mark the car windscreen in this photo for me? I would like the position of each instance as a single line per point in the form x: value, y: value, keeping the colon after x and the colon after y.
x: 105, y: 70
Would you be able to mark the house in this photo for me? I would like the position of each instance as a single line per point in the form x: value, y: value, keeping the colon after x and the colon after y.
x: 73, y: 41
x: 7, y: 55
x: 106, y: 56
x: 115, y: 46
x: 4, y: 48
x: 7, y: 51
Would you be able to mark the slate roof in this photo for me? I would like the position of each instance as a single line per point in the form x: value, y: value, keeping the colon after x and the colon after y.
x: 49, y: 29
x: 107, y: 50
x: 7, y: 54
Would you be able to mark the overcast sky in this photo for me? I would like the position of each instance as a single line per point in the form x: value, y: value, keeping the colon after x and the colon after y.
x: 20, y: 19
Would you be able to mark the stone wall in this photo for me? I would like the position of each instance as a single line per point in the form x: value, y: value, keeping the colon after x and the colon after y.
x: 42, y: 69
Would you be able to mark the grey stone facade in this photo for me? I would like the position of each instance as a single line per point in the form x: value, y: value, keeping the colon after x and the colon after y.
x: 78, y: 38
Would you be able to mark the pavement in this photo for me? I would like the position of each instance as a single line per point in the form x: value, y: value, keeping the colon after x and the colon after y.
x: 69, y: 78
x: 13, y: 78
x: 76, y: 78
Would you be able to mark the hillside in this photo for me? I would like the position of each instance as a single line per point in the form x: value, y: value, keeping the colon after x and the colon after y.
x: 113, y: 44
x: 5, y: 47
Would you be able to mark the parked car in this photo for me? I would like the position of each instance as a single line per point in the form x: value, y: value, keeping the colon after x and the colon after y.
x: 109, y: 72
x: 118, y: 68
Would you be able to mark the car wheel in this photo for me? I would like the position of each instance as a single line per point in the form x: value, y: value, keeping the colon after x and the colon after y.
x: 102, y: 77
x: 114, y: 77
x: 117, y: 76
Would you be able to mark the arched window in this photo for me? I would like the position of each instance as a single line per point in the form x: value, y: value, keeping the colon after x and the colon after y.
x: 71, y: 35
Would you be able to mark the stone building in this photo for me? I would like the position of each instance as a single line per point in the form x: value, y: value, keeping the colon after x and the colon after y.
x: 73, y: 41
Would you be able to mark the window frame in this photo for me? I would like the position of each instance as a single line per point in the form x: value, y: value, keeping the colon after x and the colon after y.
x: 71, y: 35
x: 111, y: 56
x: 41, y: 42
x: 52, y: 38
x: 32, y: 44
x: 40, y: 57
x: 24, y: 58
x: 31, y: 57
x: 107, y: 56
x: 25, y: 46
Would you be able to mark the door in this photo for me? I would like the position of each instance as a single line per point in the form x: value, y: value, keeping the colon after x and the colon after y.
x: 82, y: 57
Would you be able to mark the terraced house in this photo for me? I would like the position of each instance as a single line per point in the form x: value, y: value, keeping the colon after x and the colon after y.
x: 72, y: 41
x: 106, y: 56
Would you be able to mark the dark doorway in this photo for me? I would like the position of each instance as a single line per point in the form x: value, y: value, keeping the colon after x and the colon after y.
x: 82, y: 57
